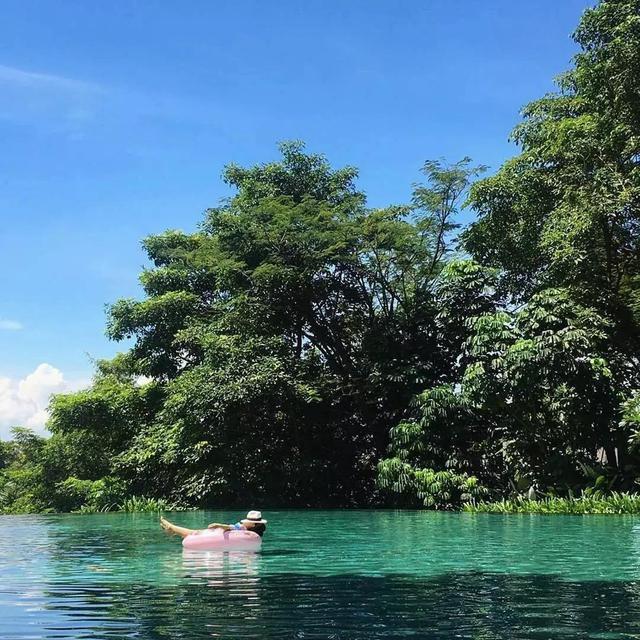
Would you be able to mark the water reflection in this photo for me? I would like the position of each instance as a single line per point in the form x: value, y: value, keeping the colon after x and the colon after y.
x: 346, y: 607
x: 234, y: 573
x: 221, y: 568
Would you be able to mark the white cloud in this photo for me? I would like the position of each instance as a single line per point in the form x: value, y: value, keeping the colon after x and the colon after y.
x: 30, y: 79
x: 64, y: 105
x: 10, y: 325
x: 47, y: 100
x: 24, y: 402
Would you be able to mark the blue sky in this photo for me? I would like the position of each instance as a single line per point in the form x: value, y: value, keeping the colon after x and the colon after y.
x: 117, y: 118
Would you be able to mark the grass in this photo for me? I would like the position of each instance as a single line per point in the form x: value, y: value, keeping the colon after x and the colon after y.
x: 612, y: 503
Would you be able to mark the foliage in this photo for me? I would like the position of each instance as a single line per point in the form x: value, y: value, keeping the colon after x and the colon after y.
x: 22, y: 487
x: 278, y: 345
x: 138, y: 504
x: 288, y: 333
x: 436, y: 489
x: 565, y: 211
x: 613, y: 503
x: 631, y: 419
x: 545, y: 381
x: 133, y: 504
x: 97, y: 495
x: 517, y: 414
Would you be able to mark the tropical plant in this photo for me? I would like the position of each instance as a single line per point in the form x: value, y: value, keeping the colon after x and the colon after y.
x: 613, y: 503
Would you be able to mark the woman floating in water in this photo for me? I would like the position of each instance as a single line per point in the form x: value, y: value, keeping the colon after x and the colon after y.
x: 253, y: 522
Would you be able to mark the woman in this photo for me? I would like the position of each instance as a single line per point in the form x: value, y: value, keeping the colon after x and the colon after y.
x: 253, y: 522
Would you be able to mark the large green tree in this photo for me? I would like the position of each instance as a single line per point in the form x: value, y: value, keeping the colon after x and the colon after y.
x: 566, y: 211
x: 276, y: 346
x: 539, y: 397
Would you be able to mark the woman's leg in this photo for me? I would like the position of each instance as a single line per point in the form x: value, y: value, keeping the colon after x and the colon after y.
x: 172, y: 528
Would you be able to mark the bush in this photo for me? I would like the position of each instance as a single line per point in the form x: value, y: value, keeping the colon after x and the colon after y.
x: 134, y: 504
x: 138, y: 504
x: 93, y: 496
x: 435, y: 489
x: 613, y: 503
x: 23, y: 491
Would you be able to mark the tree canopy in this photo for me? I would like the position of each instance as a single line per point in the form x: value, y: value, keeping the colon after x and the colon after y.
x: 546, y: 396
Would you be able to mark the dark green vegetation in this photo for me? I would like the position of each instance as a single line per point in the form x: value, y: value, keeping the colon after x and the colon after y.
x: 302, y: 348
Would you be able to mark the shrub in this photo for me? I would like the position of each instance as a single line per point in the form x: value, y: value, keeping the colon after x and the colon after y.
x: 435, y: 489
x: 91, y: 496
x: 613, y: 503
x: 137, y: 504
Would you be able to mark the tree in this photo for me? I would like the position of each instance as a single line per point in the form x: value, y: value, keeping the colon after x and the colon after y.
x: 541, y: 381
x: 566, y: 211
x: 283, y: 339
x: 534, y: 403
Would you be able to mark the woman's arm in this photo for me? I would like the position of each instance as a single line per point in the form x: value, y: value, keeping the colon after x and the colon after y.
x: 218, y: 525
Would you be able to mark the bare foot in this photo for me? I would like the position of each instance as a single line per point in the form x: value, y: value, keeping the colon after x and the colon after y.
x: 166, y: 525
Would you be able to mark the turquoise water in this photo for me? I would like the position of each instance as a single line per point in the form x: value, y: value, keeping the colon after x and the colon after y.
x: 323, y: 574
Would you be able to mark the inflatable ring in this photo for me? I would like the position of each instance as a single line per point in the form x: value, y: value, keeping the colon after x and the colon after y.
x: 210, y: 539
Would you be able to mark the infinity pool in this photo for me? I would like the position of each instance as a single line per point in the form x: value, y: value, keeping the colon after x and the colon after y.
x: 323, y: 574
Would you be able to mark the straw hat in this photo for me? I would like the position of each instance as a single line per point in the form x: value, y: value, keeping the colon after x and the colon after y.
x: 255, y: 516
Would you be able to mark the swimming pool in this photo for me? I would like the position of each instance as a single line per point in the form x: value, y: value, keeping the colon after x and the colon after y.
x: 323, y: 574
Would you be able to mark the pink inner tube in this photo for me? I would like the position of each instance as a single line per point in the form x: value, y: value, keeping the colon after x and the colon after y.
x: 219, y: 539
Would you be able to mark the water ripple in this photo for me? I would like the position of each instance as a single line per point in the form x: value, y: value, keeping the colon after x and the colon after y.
x: 333, y: 574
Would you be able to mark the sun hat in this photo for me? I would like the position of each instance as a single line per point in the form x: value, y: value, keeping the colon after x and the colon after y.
x: 255, y: 516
